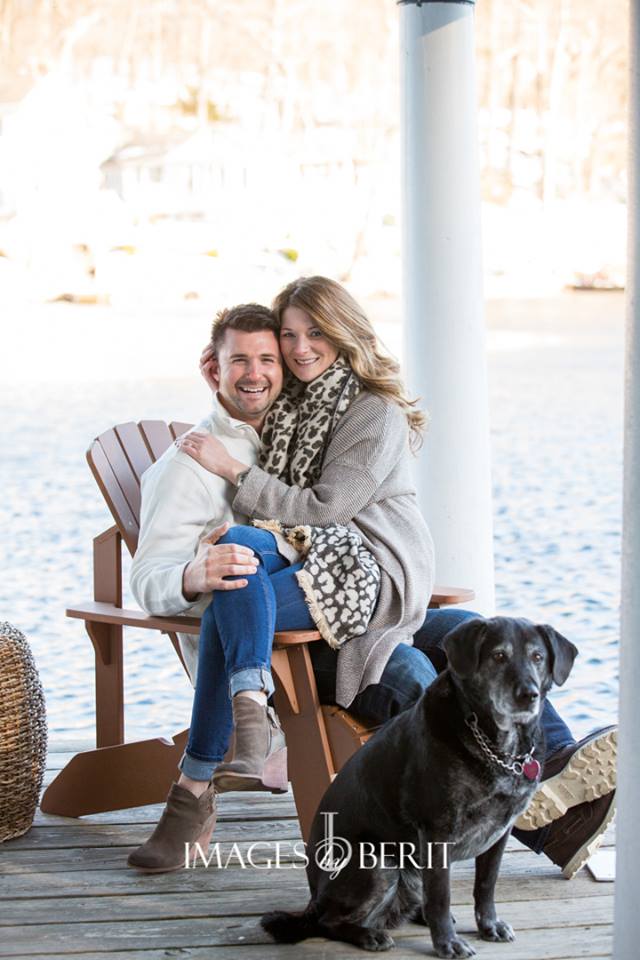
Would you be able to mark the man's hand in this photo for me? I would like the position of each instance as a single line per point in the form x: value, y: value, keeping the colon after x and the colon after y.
x: 212, y: 454
x: 213, y: 562
x: 209, y: 368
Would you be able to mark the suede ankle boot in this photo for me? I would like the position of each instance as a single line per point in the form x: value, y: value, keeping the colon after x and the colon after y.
x: 260, y: 754
x: 186, y: 819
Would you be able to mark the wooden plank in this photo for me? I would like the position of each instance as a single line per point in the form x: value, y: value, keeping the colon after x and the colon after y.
x: 595, y: 945
x: 177, y: 428
x: 86, y: 835
x: 518, y: 864
x: 123, y: 471
x: 126, y: 520
x: 149, y: 815
x: 157, y: 436
x: 134, y: 447
x: 176, y: 933
x: 109, y: 613
x: 149, y: 906
x: 181, y: 901
x: 321, y: 950
x: 107, y: 883
x: 535, y: 883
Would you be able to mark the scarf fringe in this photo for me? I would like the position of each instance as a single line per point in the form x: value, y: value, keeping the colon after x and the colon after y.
x: 273, y: 526
x: 317, y: 615
x: 299, y: 537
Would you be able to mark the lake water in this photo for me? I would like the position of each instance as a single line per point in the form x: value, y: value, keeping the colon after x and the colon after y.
x: 556, y: 404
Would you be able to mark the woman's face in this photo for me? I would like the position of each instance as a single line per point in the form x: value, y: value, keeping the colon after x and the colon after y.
x: 306, y: 352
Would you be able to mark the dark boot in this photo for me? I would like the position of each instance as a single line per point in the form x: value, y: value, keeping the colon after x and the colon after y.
x: 186, y: 820
x: 572, y: 839
x: 260, y: 753
x: 579, y: 773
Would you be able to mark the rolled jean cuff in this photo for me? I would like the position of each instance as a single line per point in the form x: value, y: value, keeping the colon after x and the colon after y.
x: 251, y: 678
x: 197, y: 769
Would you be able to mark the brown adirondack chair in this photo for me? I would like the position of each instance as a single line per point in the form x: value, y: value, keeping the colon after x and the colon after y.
x: 118, y: 775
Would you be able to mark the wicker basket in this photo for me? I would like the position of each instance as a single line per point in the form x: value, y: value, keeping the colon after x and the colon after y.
x: 23, y: 734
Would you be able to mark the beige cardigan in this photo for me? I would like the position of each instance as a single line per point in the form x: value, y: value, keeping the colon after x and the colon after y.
x: 365, y: 483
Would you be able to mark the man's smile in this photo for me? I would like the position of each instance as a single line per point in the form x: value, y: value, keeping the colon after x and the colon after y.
x: 253, y: 391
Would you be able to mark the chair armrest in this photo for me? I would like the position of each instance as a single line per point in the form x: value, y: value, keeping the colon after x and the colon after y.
x: 96, y: 612
x: 444, y: 596
x: 289, y: 638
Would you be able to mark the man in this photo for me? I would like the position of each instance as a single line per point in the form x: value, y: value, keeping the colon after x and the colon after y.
x: 186, y: 510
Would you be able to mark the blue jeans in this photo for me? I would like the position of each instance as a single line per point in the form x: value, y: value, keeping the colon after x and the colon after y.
x: 234, y: 652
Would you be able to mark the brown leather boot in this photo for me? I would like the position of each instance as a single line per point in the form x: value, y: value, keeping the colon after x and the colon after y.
x: 186, y: 820
x: 260, y: 753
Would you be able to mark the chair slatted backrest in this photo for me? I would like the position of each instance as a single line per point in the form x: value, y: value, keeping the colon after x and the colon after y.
x: 119, y: 457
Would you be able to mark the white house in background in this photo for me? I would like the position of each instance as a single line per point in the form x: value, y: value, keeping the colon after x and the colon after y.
x: 192, y: 173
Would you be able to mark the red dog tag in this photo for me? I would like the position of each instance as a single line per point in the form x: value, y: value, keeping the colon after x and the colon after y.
x: 531, y: 769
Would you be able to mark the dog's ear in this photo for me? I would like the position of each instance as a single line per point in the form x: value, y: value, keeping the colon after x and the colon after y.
x: 462, y: 647
x: 561, y: 652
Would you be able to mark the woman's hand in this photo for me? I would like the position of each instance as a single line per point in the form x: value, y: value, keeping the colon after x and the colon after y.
x: 209, y: 368
x: 211, y: 454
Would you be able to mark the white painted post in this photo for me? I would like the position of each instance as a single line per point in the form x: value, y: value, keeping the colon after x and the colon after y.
x: 442, y: 259
x: 627, y: 916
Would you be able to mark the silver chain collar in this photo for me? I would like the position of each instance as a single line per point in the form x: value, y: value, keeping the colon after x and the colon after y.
x: 512, y: 764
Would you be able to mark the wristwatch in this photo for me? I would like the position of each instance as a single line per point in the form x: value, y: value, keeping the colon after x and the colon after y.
x: 241, y: 476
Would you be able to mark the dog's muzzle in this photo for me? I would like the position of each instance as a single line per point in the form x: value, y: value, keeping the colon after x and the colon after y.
x: 526, y: 695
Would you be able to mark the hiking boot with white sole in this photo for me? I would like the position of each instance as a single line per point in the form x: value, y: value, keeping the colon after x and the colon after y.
x: 576, y: 836
x: 579, y: 773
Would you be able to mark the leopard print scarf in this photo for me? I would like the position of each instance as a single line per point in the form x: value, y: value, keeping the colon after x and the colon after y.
x: 340, y: 578
x: 301, y: 422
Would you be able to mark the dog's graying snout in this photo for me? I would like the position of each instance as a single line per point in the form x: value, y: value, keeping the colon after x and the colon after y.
x: 526, y: 693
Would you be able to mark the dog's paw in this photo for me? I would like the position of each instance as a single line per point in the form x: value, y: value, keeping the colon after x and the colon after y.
x: 454, y: 947
x: 376, y: 940
x: 496, y: 930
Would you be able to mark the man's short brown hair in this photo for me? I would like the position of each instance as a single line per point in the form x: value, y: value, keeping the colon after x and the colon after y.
x: 250, y: 317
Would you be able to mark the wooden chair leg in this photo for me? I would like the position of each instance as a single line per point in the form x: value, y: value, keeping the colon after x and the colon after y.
x: 107, y: 640
x: 107, y: 643
x: 311, y: 766
x: 115, y: 778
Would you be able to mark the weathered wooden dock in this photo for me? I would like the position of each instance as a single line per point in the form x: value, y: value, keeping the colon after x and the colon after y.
x: 65, y: 891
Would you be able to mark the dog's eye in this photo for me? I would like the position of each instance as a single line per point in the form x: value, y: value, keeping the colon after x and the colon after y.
x: 499, y: 656
x: 537, y: 657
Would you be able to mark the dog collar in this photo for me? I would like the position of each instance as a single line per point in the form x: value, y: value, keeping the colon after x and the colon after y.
x: 524, y: 765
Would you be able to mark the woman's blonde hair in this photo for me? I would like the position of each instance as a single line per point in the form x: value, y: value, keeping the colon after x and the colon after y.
x: 344, y: 323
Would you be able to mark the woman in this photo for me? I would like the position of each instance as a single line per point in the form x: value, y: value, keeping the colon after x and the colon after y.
x: 336, y: 458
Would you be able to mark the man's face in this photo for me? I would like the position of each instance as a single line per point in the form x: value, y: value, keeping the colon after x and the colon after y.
x: 249, y: 372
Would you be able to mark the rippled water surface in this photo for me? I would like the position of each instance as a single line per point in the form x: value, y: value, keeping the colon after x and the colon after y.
x: 556, y: 402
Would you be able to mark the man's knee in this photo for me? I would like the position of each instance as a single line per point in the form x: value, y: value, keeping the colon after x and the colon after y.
x: 406, y: 676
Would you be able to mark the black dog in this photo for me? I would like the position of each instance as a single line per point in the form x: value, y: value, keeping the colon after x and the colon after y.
x: 457, y: 768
